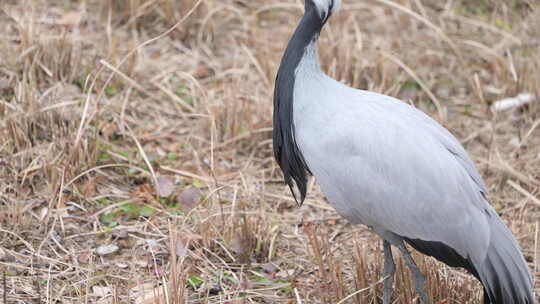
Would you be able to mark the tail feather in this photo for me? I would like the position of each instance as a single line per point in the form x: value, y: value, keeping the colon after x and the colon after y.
x: 504, y: 272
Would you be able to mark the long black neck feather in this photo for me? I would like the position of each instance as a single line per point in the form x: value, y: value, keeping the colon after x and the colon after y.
x: 286, y: 151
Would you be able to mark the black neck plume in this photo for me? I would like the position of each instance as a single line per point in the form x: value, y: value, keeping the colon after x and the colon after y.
x: 286, y: 151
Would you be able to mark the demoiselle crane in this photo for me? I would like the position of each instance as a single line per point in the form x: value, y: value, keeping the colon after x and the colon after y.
x: 383, y: 163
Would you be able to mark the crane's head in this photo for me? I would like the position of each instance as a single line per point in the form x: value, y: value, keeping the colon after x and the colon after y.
x: 325, y: 8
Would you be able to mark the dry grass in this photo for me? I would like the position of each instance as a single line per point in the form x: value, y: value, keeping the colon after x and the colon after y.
x: 163, y: 148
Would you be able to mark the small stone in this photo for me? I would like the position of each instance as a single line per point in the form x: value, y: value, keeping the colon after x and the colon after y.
x: 56, y: 236
x: 100, y: 291
x: 107, y: 249
x: 515, y: 142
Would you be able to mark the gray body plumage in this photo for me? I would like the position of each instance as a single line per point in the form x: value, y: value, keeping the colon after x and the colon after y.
x: 387, y: 165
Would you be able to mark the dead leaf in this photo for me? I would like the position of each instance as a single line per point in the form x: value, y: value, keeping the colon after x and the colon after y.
x: 71, y: 18
x: 120, y: 234
x: 238, y: 245
x: 181, y: 248
x: 286, y: 273
x: 84, y: 258
x: 185, y: 242
x: 146, y: 193
x: 108, y: 129
x: 165, y: 186
x: 269, y: 268
x: 141, y: 263
x: 190, y: 198
x: 147, y: 294
x: 90, y: 187
x: 245, y: 284
x: 62, y: 212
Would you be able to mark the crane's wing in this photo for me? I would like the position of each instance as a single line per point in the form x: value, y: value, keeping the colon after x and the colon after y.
x: 387, y: 165
x: 453, y: 146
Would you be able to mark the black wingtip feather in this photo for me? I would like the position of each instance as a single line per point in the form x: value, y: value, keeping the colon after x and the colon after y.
x: 443, y: 253
x: 503, y: 273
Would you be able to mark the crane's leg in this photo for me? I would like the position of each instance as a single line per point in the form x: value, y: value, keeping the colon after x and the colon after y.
x: 419, y: 278
x: 388, y: 272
